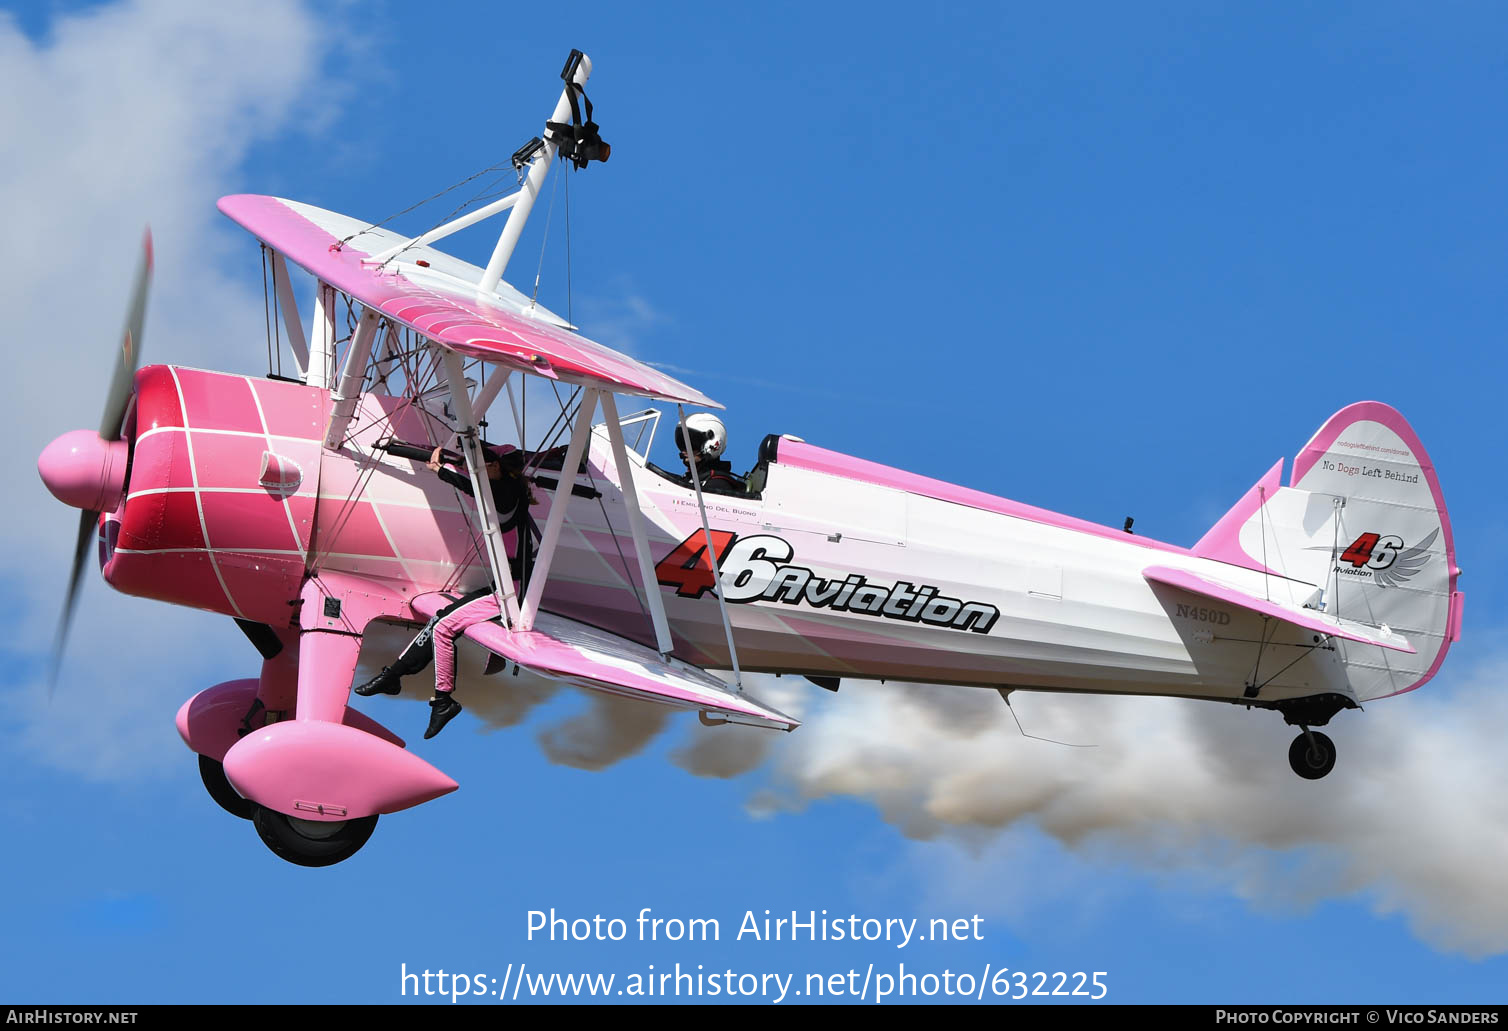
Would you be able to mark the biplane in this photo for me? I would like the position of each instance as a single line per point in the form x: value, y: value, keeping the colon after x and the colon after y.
x: 300, y: 506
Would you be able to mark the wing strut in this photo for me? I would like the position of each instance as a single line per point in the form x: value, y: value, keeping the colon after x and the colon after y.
x: 321, y: 368
x: 551, y: 539
x: 471, y: 446
x: 717, y: 580
x: 289, y: 306
x: 636, y: 525
x: 348, y: 392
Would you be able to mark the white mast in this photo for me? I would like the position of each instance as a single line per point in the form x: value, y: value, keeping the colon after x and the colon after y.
x: 539, y: 166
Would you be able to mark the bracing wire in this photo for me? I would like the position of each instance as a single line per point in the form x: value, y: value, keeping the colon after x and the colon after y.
x: 1335, y: 554
x: 420, y: 204
x: 1309, y: 650
x: 480, y: 195
x: 544, y: 242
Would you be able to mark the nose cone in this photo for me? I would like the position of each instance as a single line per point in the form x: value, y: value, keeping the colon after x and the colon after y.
x: 85, y: 471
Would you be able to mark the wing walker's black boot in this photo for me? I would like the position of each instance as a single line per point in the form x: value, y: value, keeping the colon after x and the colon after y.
x: 442, y: 710
x: 386, y: 682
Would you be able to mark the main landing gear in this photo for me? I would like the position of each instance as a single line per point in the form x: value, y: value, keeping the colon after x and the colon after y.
x: 303, y: 842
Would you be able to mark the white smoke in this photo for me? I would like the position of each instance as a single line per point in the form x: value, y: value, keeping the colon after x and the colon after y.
x: 610, y: 729
x: 1413, y: 817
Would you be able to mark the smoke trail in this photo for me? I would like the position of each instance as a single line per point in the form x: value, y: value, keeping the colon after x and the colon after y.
x: 610, y: 729
x: 1412, y: 817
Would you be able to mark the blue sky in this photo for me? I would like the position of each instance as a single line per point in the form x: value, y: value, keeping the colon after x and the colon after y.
x: 1105, y: 260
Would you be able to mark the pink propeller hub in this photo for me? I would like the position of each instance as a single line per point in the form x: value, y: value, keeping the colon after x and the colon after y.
x: 85, y: 471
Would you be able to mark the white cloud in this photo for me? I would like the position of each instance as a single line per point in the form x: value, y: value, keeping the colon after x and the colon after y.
x: 120, y: 116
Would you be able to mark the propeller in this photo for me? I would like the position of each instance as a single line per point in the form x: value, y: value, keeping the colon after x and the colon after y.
x: 126, y: 360
x: 88, y: 470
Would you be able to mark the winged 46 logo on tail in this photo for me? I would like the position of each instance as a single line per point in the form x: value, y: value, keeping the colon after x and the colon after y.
x: 1385, y: 559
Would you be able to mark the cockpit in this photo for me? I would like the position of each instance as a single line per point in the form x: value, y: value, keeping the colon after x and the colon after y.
x: 707, y: 440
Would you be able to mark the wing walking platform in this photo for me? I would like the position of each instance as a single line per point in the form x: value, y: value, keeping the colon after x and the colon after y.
x: 576, y: 653
x: 1308, y: 619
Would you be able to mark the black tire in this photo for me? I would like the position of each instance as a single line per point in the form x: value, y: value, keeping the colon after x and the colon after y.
x: 1312, y: 762
x: 212, y: 773
x: 308, y: 843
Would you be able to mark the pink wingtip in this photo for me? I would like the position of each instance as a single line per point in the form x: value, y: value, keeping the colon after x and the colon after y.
x: 146, y: 246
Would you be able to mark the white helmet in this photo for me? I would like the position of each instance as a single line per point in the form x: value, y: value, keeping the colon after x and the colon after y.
x: 708, y: 437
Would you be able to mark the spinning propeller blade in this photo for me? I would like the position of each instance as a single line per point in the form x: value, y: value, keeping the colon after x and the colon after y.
x: 87, y: 523
x: 129, y: 354
x: 117, y: 400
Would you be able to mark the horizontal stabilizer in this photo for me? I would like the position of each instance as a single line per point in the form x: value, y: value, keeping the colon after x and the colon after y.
x: 1308, y: 619
x: 566, y: 650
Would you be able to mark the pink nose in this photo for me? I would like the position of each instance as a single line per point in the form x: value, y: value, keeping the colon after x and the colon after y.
x: 85, y: 471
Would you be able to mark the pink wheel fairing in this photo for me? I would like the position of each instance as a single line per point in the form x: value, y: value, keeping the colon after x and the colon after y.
x: 326, y: 772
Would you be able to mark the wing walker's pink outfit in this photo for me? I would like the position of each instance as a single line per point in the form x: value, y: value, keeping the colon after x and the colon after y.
x: 451, y: 627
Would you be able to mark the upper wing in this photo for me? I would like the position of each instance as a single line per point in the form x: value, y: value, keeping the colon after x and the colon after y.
x: 564, y: 649
x: 441, y: 300
x: 1306, y: 618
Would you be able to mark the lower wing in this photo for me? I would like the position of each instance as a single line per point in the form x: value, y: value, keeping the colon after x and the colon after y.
x: 563, y: 649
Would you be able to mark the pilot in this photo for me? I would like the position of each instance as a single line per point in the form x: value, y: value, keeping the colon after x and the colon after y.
x: 708, y: 438
x: 510, y: 493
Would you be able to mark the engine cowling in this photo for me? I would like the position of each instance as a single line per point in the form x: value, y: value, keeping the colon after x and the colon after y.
x: 201, y: 524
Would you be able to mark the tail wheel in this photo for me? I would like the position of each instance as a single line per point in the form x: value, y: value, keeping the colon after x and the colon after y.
x: 309, y: 842
x: 215, y: 782
x: 1312, y: 755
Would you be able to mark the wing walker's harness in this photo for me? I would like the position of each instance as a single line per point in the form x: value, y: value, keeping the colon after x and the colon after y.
x: 578, y: 140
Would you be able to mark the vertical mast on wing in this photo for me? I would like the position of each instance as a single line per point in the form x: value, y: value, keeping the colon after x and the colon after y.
x: 577, y: 70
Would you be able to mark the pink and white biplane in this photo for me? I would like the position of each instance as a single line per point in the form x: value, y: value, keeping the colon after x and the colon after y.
x: 301, y: 507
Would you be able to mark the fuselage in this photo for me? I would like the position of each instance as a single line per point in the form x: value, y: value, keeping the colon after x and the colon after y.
x: 835, y: 567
